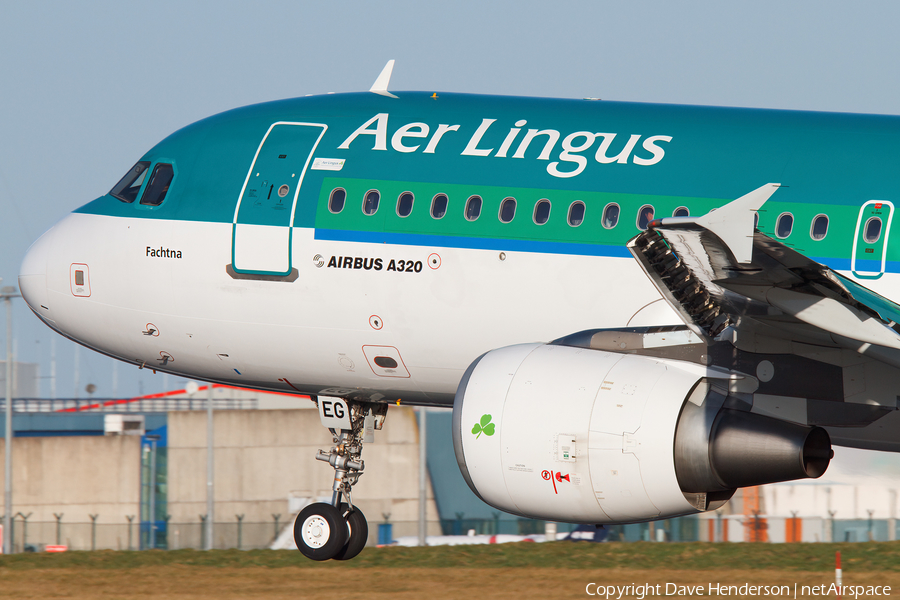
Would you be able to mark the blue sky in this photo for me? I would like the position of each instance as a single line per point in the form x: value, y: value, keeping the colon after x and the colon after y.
x: 86, y: 88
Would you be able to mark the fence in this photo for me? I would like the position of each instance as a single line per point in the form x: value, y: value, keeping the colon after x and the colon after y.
x: 737, y: 528
x: 31, y: 536
x: 128, y: 405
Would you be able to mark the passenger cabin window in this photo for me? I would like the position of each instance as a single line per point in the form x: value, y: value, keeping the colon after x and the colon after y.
x: 405, y: 204
x: 681, y: 211
x: 784, y: 225
x: 645, y: 215
x: 158, y: 186
x: 336, y: 200
x: 507, y: 210
x: 576, y: 213
x: 819, y: 228
x: 473, y: 208
x: 873, y: 230
x: 370, y: 202
x: 439, y: 206
x: 610, y: 216
x: 542, y: 212
x: 128, y: 187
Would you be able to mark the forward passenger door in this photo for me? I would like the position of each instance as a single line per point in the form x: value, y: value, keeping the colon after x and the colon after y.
x: 261, y: 232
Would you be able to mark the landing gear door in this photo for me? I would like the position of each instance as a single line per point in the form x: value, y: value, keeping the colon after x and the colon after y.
x: 870, y: 242
x: 261, y: 234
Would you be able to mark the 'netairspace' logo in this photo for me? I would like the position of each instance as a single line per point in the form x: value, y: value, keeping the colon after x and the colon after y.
x: 485, y: 427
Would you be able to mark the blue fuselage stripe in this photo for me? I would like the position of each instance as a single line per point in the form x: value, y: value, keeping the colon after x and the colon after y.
x: 513, y: 245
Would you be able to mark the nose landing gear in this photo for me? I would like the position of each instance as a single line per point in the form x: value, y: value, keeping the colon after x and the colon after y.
x: 339, y: 530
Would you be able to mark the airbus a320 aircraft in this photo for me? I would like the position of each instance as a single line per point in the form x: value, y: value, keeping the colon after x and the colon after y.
x: 633, y: 309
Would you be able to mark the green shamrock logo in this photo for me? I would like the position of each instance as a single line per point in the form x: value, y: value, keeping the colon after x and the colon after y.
x: 485, y: 427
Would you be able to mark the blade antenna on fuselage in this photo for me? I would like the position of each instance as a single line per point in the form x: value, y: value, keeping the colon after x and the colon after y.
x: 381, y: 84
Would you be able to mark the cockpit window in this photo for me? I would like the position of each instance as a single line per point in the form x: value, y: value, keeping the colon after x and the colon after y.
x: 128, y: 187
x: 158, y: 186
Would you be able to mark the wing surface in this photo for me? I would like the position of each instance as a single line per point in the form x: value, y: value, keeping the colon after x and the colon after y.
x: 718, y: 272
x: 730, y: 282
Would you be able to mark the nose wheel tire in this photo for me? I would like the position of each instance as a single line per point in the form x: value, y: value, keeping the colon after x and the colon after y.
x: 320, y: 531
x: 358, y: 530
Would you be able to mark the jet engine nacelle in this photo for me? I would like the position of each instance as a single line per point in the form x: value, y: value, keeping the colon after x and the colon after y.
x: 587, y: 436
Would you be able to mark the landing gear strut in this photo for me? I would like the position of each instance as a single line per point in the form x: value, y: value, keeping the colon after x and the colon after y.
x: 339, y: 530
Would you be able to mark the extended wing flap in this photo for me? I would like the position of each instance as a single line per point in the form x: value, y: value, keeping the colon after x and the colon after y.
x: 709, y: 274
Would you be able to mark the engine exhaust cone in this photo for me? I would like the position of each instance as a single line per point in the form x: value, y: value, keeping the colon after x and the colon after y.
x: 748, y: 449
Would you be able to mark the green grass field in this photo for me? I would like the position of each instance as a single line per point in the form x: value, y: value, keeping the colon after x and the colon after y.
x: 861, y: 557
x: 523, y: 571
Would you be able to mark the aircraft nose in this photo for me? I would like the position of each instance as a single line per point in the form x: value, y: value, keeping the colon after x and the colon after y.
x: 33, y: 276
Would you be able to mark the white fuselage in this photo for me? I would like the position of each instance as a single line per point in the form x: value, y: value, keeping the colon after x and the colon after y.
x: 158, y: 289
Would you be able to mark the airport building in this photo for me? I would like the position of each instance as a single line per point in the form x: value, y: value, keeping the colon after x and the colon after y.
x: 131, y: 474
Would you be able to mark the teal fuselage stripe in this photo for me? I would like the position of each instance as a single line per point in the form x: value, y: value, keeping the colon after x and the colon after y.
x: 702, y: 156
x: 471, y: 243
